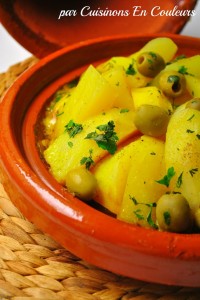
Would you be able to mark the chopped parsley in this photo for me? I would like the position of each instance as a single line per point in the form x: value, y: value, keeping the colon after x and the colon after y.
x: 58, y: 96
x: 179, y: 57
x: 149, y: 216
x: 176, y: 59
x: 153, y: 55
x: 73, y: 128
x: 73, y: 83
x: 130, y: 70
x: 183, y: 70
x: 192, y: 116
x: 150, y: 61
x: 124, y: 110
x: 153, y: 153
x: 138, y: 214
x: 106, y: 137
x: 193, y: 171
x: 198, y: 136
x: 179, y: 181
x: 167, y: 178
x: 87, y: 161
x: 189, y: 131
x: 173, y: 79
x: 59, y: 114
x: 70, y: 144
x: 167, y: 218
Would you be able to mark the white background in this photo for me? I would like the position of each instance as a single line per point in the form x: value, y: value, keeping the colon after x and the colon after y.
x: 11, y: 52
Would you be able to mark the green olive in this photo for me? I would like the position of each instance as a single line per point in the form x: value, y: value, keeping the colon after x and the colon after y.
x: 172, y: 83
x: 173, y: 213
x: 82, y: 183
x: 151, y: 120
x: 194, y: 104
x: 150, y: 64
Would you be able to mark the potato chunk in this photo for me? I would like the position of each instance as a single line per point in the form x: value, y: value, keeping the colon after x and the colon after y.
x: 187, y: 66
x: 150, y: 95
x: 183, y: 153
x: 92, y: 96
x: 147, y: 166
x: 163, y: 46
x: 111, y: 174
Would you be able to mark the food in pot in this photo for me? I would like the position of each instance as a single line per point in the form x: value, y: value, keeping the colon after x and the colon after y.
x: 126, y: 134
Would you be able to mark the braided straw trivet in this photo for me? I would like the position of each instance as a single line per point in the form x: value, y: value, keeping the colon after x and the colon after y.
x: 34, y: 266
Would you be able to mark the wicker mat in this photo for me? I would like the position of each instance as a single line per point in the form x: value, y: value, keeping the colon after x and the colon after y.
x: 34, y: 266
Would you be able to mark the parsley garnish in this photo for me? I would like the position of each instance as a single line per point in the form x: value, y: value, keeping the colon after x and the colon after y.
x: 59, y: 114
x: 87, y: 161
x: 70, y: 144
x: 153, y: 153
x: 179, y: 57
x: 130, y: 70
x: 73, y: 83
x: 153, y: 54
x: 167, y: 178
x: 124, y: 110
x: 176, y: 59
x: 173, y: 79
x: 149, y: 216
x: 58, y: 96
x: 198, y: 136
x: 183, y: 70
x: 167, y: 217
x: 150, y: 61
x: 73, y: 128
x: 191, y: 117
x: 189, y: 131
x: 107, y: 139
x: 179, y: 180
x: 193, y: 171
x: 138, y: 215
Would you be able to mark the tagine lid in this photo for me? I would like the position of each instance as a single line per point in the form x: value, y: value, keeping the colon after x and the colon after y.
x: 43, y: 27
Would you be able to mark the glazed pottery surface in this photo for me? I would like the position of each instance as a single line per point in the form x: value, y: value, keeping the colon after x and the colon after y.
x: 42, y: 26
x: 111, y: 244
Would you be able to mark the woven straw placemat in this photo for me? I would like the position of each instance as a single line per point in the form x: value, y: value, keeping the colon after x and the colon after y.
x: 34, y: 266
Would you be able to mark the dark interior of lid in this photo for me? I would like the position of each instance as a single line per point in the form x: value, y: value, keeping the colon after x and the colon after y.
x: 43, y: 26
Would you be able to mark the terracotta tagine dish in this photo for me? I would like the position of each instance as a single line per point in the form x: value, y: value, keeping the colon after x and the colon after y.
x: 92, y: 234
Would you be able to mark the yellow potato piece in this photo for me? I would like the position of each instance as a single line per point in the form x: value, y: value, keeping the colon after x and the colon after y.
x: 62, y: 156
x: 161, y: 45
x: 150, y: 95
x: 133, y: 78
x: 117, y: 78
x: 147, y: 166
x: 55, y: 109
x: 193, y: 85
x: 111, y: 174
x: 187, y: 66
x: 114, y: 62
x: 183, y: 153
x: 92, y: 96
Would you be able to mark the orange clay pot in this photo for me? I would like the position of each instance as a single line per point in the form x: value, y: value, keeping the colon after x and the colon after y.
x: 111, y: 244
x: 40, y: 28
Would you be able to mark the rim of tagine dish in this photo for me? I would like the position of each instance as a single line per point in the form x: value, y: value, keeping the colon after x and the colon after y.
x: 102, y: 240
